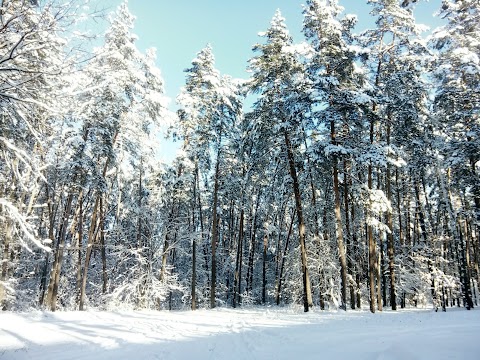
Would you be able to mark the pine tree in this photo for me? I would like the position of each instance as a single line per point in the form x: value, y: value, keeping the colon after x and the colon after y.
x: 457, y: 69
x: 278, y: 77
x: 210, y: 107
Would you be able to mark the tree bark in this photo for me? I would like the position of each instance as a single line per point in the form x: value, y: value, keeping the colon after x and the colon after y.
x: 264, y: 270
x: 92, y: 234
x: 193, y: 292
x: 52, y: 292
x: 390, y: 241
x: 338, y: 221
x: 215, y: 233
x: 237, y: 286
x: 251, y: 252
x: 284, y: 255
x: 371, y: 242
x: 307, y: 293
x: 348, y: 232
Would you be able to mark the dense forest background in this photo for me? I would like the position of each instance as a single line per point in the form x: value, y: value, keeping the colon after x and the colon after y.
x: 350, y: 180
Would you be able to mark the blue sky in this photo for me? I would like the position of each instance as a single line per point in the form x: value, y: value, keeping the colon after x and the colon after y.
x: 180, y: 28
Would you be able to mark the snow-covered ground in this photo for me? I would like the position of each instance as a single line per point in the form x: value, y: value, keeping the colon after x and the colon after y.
x: 257, y: 333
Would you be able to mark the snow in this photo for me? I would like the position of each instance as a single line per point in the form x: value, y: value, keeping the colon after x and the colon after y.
x: 247, y: 333
x: 466, y: 56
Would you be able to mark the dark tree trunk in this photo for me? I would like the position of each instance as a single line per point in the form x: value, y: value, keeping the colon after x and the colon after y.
x: 193, y: 293
x: 214, y: 235
x: 92, y: 234
x: 348, y: 232
x: 237, y: 286
x: 390, y: 241
x: 465, y: 276
x: 307, y: 293
x: 251, y: 253
x: 58, y: 260
x: 284, y: 256
x: 371, y: 242
x: 339, y: 225
x: 264, y: 270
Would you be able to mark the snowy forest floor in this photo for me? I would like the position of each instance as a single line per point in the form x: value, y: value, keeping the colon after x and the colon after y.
x: 247, y: 333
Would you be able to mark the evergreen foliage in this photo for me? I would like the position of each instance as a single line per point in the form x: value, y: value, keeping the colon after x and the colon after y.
x: 353, y: 179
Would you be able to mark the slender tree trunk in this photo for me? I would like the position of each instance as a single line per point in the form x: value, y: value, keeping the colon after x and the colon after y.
x: 307, y: 293
x: 92, y: 234
x: 379, y: 274
x: 215, y: 233
x: 264, y: 269
x: 371, y: 242
x: 423, y: 228
x: 193, y: 293
x: 339, y: 225
x: 284, y: 256
x: 357, y: 261
x: 465, y: 277
x: 79, y: 251
x: 51, y: 222
x: 57, y: 265
x: 348, y: 232
x: 103, y: 250
x: 237, y: 286
x: 251, y: 252
x: 279, y: 253
x: 390, y: 241
x: 94, y: 230
x: 5, y: 261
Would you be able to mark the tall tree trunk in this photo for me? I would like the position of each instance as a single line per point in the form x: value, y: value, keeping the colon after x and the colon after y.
x: 237, y: 282
x: 278, y: 252
x: 390, y: 241
x: 371, y: 241
x: 52, y: 292
x: 103, y: 250
x: 251, y: 252
x: 51, y: 223
x: 193, y: 293
x: 264, y: 269
x: 92, y: 234
x: 307, y: 293
x: 215, y: 232
x: 348, y: 231
x: 465, y: 276
x: 5, y: 261
x: 423, y: 228
x: 284, y: 256
x: 79, y: 250
x: 338, y: 221
x: 94, y: 230
x: 357, y: 261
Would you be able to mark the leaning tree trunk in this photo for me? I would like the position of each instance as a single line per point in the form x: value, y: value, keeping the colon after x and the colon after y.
x: 51, y: 300
x: 307, y: 291
x: 92, y: 234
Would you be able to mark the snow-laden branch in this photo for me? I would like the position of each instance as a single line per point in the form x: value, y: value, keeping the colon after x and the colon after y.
x: 23, y: 224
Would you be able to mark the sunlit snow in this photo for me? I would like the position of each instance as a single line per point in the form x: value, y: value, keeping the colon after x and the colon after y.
x: 255, y: 333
